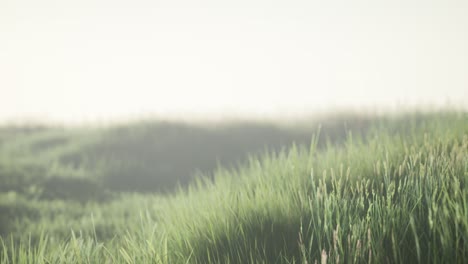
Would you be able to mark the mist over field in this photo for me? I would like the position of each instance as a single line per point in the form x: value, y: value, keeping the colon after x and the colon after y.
x: 233, y: 131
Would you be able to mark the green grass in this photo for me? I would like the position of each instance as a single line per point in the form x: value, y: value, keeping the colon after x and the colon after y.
x: 394, y: 192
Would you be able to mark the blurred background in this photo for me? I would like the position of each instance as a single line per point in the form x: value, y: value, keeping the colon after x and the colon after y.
x: 109, y: 108
x: 88, y: 61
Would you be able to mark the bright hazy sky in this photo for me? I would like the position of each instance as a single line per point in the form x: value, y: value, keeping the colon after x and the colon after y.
x: 106, y: 59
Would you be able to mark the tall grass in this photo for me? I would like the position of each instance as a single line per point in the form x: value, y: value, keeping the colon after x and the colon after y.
x: 393, y: 196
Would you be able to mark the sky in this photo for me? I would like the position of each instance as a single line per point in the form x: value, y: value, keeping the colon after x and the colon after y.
x: 73, y: 61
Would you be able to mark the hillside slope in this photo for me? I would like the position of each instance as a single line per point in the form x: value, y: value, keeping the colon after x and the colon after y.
x: 395, y: 194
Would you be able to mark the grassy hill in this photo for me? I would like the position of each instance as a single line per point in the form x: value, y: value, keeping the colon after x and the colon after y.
x: 388, y: 189
x: 146, y: 156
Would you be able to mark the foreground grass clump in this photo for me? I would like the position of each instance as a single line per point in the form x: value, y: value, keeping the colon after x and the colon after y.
x: 393, y: 196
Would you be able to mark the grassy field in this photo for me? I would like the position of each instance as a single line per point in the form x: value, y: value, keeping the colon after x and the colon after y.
x: 362, y: 189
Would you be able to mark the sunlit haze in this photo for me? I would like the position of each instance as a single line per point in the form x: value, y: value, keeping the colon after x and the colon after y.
x: 97, y: 60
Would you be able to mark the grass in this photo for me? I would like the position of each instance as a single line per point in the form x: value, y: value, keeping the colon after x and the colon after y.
x: 394, y: 193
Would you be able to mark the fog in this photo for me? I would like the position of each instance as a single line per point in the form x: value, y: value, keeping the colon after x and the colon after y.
x: 88, y: 60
